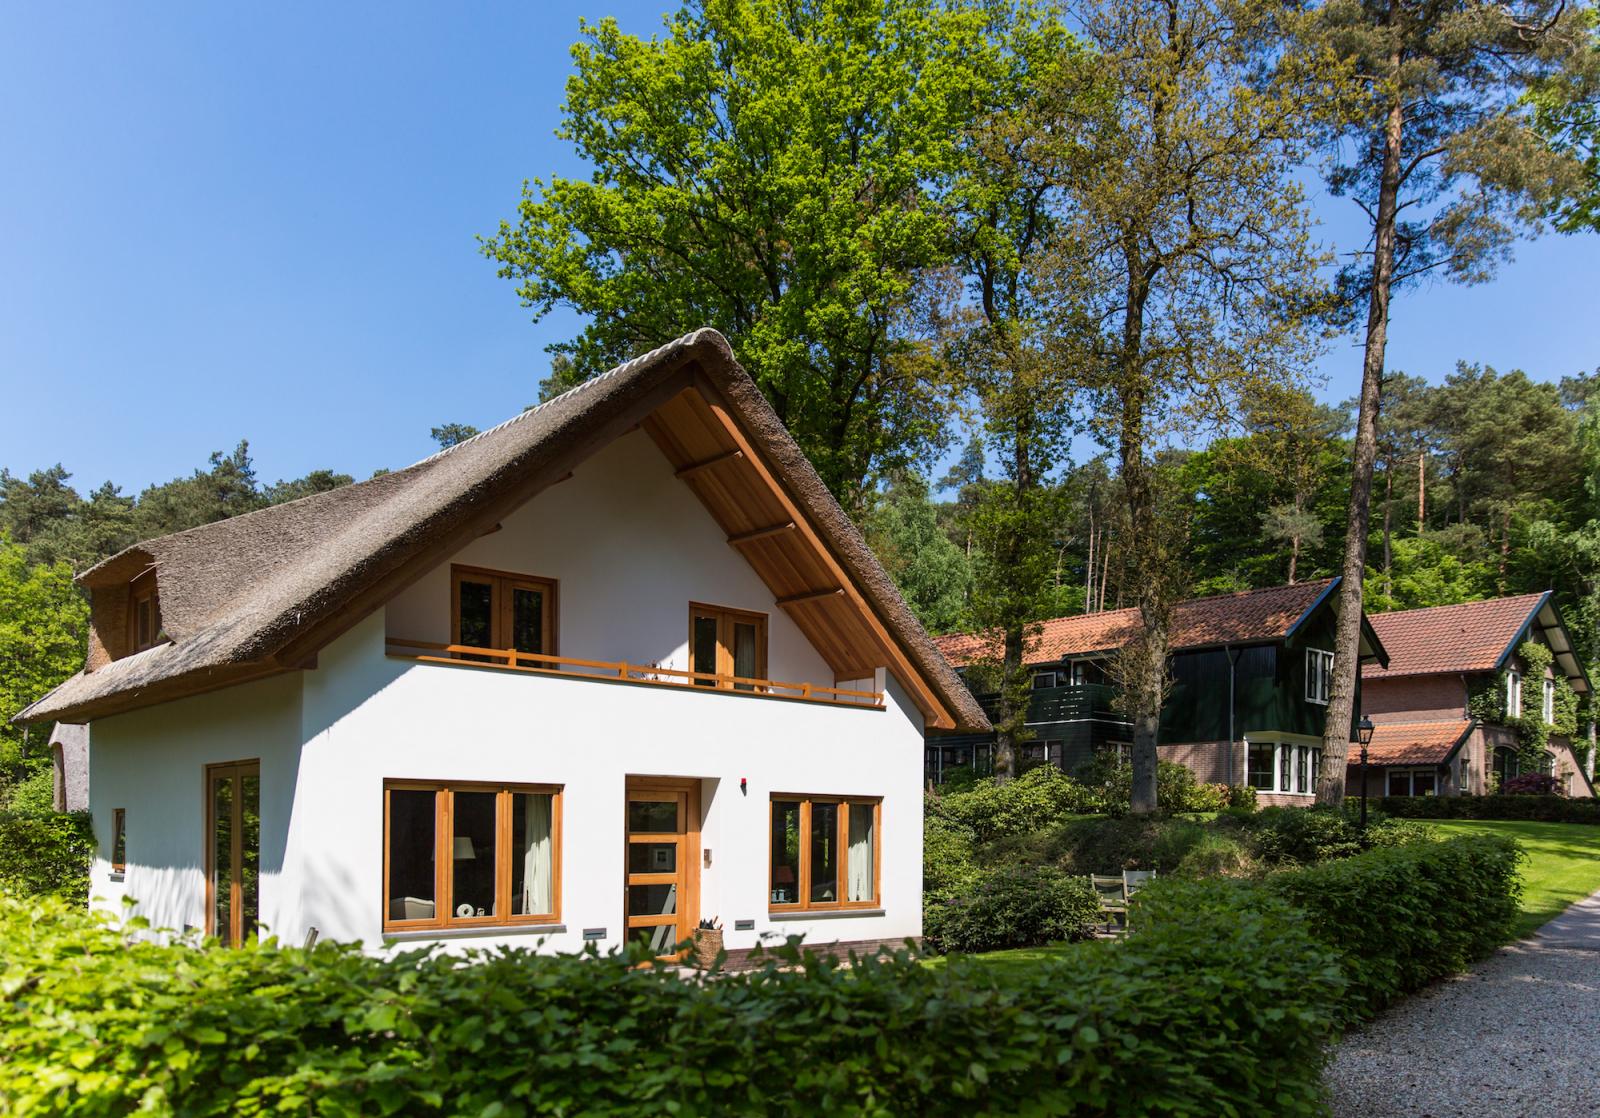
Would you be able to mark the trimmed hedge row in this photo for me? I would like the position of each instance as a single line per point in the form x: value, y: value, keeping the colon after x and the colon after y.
x: 1225, y: 1008
x: 1401, y: 917
x: 1544, y: 809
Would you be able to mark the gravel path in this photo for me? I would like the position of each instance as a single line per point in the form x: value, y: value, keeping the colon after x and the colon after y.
x: 1518, y: 1037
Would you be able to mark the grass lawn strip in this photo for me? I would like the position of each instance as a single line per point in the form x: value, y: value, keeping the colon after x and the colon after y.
x: 1563, y: 863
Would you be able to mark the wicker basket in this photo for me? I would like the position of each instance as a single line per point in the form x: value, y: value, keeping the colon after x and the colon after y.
x: 707, y: 946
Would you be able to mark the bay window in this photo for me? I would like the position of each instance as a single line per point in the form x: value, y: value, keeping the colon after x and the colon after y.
x: 1284, y: 768
x: 824, y: 853
x: 470, y: 854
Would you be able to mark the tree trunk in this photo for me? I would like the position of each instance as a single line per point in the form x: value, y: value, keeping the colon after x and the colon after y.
x: 1388, y: 522
x: 1347, y: 634
x: 1294, y: 557
x: 1013, y: 716
x: 1422, y: 487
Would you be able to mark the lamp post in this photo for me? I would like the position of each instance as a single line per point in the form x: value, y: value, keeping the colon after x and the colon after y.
x: 1364, y: 735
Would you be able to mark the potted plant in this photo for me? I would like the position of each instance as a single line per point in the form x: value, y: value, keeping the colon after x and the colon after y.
x: 708, y: 943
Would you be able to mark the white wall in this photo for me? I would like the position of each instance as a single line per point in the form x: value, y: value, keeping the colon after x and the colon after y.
x: 631, y: 547
x: 151, y: 763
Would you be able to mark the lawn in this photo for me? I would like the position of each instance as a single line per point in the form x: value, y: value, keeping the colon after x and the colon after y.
x: 1563, y: 863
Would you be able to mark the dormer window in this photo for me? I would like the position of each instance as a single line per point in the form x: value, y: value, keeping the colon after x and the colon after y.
x: 144, y: 613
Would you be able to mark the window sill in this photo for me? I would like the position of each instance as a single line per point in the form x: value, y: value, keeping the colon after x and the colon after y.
x: 117, y: 875
x: 823, y: 913
x: 411, y: 935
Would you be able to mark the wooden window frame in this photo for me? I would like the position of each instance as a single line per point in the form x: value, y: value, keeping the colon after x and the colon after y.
x: 1319, y: 676
x: 119, y: 840
x: 726, y: 617
x: 1513, y: 694
x: 803, y: 871
x: 238, y: 769
x: 502, y: 583
x: 140, y: 590
x: 444, y: 918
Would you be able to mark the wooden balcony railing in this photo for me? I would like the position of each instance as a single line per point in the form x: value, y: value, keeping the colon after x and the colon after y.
x: 509, y: 659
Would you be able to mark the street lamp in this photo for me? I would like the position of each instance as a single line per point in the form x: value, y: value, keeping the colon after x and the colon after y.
x: 1364, y: 735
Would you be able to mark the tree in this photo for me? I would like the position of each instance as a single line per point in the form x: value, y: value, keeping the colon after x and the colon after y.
x: 1566, y: 107
x: 227, y: 489
x: 935, y: 576
x: 1438, y: 148
x: 44, y: 627
x: 449, y: 434
x: 765, y: 168
x: 1003, y: 202
x: 1183, y: 272
x: 317, y: 481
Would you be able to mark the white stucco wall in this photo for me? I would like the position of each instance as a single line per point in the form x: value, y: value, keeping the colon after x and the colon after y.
x: 630, y: 547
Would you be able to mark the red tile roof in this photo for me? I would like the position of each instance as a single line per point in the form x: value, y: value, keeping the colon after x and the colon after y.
x: 1413, y: 743
x: 1470, y: 637
x: 1249, y: 615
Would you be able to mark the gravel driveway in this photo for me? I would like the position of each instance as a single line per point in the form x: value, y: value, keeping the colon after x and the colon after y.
x: 1514, y: 1038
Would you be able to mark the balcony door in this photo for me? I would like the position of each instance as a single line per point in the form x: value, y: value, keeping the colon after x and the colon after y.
x: 233, y: 851
x: 662, y: 879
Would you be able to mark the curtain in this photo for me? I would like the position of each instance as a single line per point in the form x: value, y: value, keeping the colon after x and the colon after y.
x: 861, y: 861
x: 537, y: 871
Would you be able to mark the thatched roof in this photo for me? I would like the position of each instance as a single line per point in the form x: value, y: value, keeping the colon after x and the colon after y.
x: 261, y: 592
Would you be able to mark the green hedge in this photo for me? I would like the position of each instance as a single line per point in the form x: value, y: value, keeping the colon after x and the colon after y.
x: 1225, y: 1008
x: 1545, y: 809
x: 46, y: 853
x: 1401, y: 917
x: 1014, y: 906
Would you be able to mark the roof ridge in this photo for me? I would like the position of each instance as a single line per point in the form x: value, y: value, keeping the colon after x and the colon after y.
x: 1460, y: 605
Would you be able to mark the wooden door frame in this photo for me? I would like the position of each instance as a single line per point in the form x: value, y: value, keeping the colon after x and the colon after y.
x: 235, y: 853
x: 689, y: 903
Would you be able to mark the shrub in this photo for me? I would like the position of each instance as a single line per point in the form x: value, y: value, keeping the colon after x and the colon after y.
x: 1225, y: 1011
x: 948, y: 862
x: 1110, y: 779
x: 1400, y: 832
x: 1031, y: 802
x: 1016, y: 906
x: 1532, y: 784
x: 1546, y: 809
x: 46, y: 853
x: 1401, y: 917
x: 1209, y: 797
x: 1241, y: 797
x: 1218, y: 855
x: 1295, y: 835
x: 1129, y: 842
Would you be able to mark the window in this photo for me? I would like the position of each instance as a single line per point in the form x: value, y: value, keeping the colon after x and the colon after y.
x: 1513, y: 694
x: 824, y: 852
x: 727, y: 642
x: 1319, y: 675
x: 1042, y: 680
x: 144, y: 613
x: 119, y: 840
x: 1283, y: 767
x: 470, y: 855
x: 493, y: 609
x: 1413, y: 782
x: 1080, y: 673
x: 1549, y: 702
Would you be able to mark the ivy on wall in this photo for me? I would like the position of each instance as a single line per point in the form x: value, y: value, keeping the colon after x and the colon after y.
x: 1486, y: 701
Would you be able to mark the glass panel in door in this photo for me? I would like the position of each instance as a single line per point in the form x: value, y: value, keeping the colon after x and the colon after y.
x: 657, y: 868
x: 705, y: 648
x: 527, y: 619
x: 233, y: 851
x: 744, y: 653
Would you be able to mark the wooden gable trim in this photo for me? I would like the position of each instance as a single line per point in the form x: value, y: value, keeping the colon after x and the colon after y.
x: 937, y: 714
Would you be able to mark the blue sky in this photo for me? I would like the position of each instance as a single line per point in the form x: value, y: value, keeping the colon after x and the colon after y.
x: 229, y: 221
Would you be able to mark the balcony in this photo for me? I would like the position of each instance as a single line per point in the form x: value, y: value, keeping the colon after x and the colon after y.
x: 608, y: 671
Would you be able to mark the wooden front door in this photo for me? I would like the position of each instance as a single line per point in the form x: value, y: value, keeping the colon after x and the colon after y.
x: 661, y: 888
x: 233, y: 850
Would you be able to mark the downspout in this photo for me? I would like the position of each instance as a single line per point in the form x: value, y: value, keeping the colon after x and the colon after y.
x: 1233, y: 665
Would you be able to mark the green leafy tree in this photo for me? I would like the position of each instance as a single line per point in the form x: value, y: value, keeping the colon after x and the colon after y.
x: 1566, y: 108
x: 1183, y: 271
x: 44, y: 627
x: 1424, y: 571
x: 766, y: 168
x: 226, y: 489
x: 902, y: 528
x: 449, y: 434
x: 317, y: 481
x: 1437, y: 146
